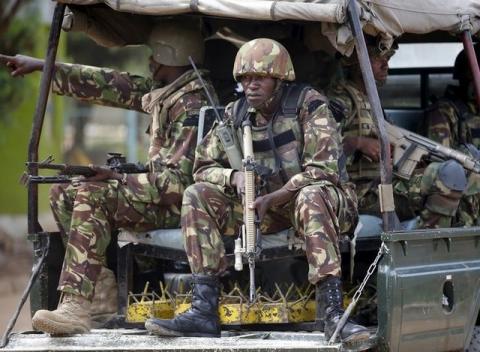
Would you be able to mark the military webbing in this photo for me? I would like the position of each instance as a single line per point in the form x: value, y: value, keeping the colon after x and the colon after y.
x: 361, y: 168
x: 292, y: 100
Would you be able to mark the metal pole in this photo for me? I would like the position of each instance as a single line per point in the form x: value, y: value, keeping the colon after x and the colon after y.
x: 38, y: 117
x: 473, y: 61
x: 389, y: 217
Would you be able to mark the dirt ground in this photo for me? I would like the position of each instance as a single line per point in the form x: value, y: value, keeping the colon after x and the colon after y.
x: 15, y: 268
x: 14, y: 274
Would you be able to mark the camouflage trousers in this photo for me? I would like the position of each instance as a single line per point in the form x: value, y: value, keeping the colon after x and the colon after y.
x: 424, y: 196
x: 86, y: 216
x: 316, y: 212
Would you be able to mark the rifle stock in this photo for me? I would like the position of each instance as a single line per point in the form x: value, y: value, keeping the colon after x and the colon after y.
x: 410, y: 148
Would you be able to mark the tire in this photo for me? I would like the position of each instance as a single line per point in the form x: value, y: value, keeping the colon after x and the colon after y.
x: 475, y: 342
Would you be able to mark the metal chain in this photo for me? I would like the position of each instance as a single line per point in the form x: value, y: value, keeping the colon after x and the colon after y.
x: 371, y: 269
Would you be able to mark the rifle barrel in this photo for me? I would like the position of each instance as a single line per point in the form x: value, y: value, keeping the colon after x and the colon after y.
x: 204, y: 86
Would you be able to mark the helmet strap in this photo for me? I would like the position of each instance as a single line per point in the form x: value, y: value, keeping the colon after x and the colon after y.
x: 269, y: 106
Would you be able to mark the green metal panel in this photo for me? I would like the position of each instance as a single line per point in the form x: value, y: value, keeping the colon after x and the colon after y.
x: 428, y: 289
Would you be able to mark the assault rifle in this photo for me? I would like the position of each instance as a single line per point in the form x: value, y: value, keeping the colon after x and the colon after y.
x: 246, y: 243
x: 115, y: 161
x: 410, y: 148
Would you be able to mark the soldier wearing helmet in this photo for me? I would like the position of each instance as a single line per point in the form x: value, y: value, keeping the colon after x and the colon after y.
x: 454, y: 121
x: 298, y: 155
x: 428, y: 195
x: 87, y: 214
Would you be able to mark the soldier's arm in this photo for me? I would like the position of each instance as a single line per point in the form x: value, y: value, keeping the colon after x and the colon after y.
x: 343, y: 111
x: 180, y: 136
x: 211, y: 162
x: 21, y: 65
x: 101, y: 86
x: 321, y: 150
x: 441, y: 121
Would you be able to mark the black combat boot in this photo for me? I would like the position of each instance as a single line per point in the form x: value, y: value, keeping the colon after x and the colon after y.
x: 329, y: 300
x: 200, y: 320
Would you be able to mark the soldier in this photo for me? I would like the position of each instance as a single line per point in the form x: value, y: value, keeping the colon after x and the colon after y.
x: 294, y: 136
x: 137, y: 202
x: 454, y: 121
x: 433, y: 194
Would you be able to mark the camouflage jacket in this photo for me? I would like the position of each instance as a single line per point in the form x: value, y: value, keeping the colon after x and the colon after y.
x: 452, y: 121
x: 353, y: 113
x: 318, y: 149
x: 173, y: 139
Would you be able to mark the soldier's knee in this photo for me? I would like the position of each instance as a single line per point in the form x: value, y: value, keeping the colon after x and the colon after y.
x: 443, y: 184
x: 446, y: 177
x: 191, y: 192
x: 308, y: 192
x: 196, y: 192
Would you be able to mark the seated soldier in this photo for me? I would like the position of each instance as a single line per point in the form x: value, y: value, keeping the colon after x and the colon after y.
x: 306, y: 189
x: 433, y: 194
x: 454, y: 121
x: 88, y: 214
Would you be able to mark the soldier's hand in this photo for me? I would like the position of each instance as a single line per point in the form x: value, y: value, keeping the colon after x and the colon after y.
x: 102, y: 174
x: 238, y: 182
x: 370, y: 147
x: 261, y: 205
x: 279, y: 197
x: 20, y: 65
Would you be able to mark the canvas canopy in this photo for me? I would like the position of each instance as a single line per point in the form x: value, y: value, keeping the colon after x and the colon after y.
x: 114, y: 25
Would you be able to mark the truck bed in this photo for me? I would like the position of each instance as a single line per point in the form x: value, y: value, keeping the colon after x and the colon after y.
x: 139, y: 340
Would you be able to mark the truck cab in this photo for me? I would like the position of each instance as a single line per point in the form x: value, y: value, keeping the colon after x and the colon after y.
x: 415, y: 289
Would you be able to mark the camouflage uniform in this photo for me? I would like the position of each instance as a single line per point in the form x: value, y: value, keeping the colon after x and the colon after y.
x: 308, y: 151
x: 453, y: 123
x: 299, y: 145
x: 424, y: 195
x: 140, y: 202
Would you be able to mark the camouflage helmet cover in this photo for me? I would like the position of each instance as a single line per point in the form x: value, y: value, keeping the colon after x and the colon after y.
x: 264, y: 57
x: 172, y: 42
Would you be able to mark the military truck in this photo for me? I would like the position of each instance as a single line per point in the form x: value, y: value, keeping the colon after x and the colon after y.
x: 416, y: 289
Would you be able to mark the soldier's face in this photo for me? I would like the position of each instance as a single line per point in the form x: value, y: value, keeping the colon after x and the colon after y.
x: 258, y: 90
x: 379, y: 68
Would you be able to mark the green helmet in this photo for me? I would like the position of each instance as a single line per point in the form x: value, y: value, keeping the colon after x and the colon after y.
x: 173, y: 42
x: 264, y: 57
